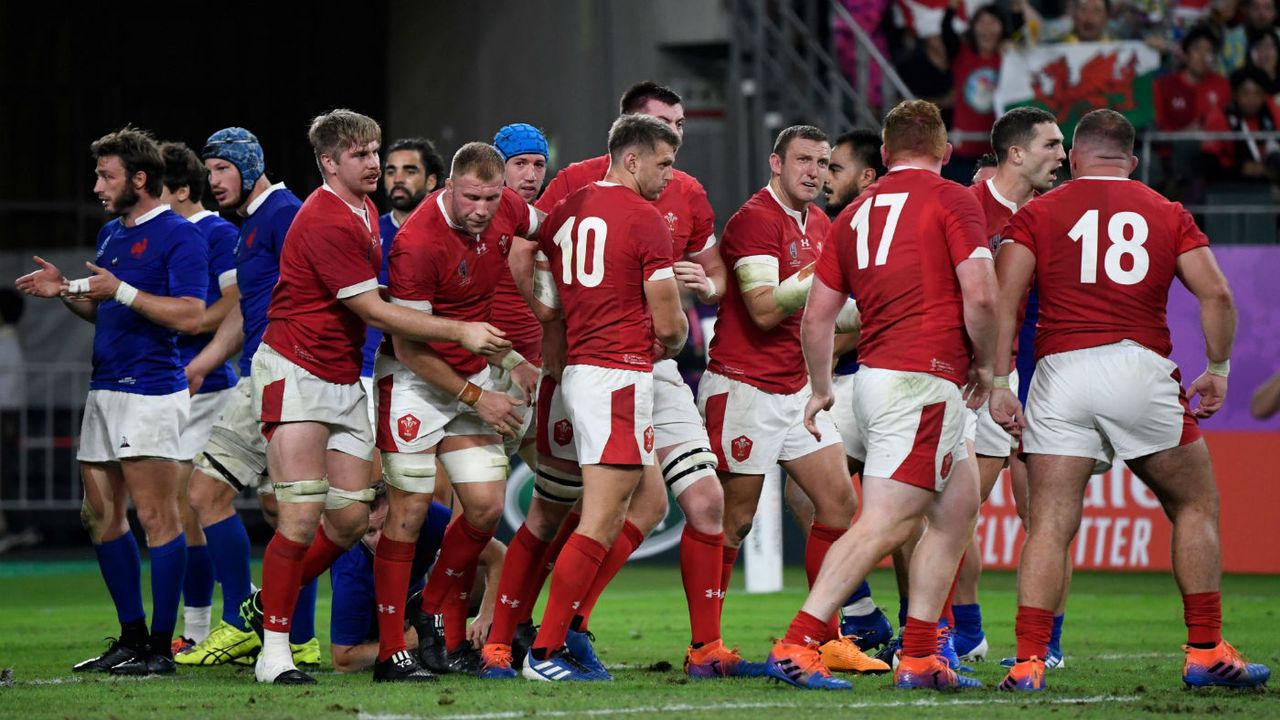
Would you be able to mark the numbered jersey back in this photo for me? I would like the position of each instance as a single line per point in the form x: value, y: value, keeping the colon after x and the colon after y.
x: 602, y: 243
x: 896, y: 249
x: 1106, y: 253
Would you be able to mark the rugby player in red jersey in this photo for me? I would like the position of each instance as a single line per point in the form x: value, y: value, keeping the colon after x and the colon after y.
x: 911, y: 250
x: 1104, y: 251
x: 307, y: 392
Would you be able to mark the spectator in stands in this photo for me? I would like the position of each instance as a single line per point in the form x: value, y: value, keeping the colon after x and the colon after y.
x: 1184, y: 98
x: 975, y: 69
x: 1264, y: 54
x: 1089, y: 20
x: 927, y: 73
x: 1247, y: 160
x: 1259, y: 17
x: 1224, y: 23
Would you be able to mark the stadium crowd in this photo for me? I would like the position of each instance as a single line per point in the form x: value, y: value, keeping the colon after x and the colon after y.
x: 390, y: 365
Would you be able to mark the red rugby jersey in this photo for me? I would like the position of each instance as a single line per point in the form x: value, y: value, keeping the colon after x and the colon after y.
x: 895, y: 249
x: 1106, y: 253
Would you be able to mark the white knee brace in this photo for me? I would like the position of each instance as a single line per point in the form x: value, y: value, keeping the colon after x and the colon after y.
x: 410, y: 472
x: 487, y: 463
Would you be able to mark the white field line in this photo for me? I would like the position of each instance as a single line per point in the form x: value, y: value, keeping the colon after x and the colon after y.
x: 720, y: 707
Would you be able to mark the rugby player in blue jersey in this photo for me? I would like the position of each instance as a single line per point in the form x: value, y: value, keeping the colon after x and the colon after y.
x: 148, y: 283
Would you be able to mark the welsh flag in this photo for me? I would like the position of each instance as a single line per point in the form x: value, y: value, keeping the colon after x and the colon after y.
x: 1070, y: 79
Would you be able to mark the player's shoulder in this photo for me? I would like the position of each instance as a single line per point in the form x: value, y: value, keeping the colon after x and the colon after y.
x: 584, y: 172
x: 760, y: 207
x: 687, y: 184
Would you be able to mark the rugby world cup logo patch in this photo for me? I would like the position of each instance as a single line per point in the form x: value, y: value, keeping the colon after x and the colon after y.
x: 740, y: 448
x: 648, y: 439
x: 947, y: 462
x: 407, y: 426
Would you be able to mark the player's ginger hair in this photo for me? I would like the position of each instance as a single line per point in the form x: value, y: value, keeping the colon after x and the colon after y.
x: 915, y: 127
x: 341, y: 129
x: 479, y: 160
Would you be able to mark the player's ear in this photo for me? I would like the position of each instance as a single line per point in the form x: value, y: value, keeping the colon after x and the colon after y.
x: 775, y: 164
x: 946, y: 154
x: 1133, y: 163
x: 433, y: 182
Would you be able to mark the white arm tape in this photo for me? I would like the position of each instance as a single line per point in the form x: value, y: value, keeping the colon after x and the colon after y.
x: 712, y: 290
x: 756, y: 271
x: 78, y: 287
x: 512, y: 360
x: 126, y: 294
x: 544, y: 288
x: 1221, y: 369
x: 791, y: 293
x: 848, y: 319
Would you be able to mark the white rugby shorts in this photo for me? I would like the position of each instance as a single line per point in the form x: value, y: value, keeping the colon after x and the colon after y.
x: 752, y: 430
x: 206, y: 408
x: 415, y: 415
x: 1121, y: 399
x: 284, y: 392
x: 123, y: 426
x: 913, y: 425
x: 609, y: 414
x: 236, y: 452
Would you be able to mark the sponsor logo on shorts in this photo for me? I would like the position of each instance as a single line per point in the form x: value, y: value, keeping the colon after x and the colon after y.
x: 562, y: 431
x: 740, y: 448
x: 947, y: 462
x: 138, y: 248
x: 408, y: 426
x: 648, y: 439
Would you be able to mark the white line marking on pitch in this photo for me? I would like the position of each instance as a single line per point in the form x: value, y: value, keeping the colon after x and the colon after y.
x: 682, y: 708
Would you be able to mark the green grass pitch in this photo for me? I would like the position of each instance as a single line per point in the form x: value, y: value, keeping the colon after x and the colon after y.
x: 1122, y: 639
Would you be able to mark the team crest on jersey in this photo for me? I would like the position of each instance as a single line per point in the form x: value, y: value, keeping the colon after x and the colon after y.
x: 648, y: 439
x: 248, y: 242
x: 504, y: 241
x: 562, y: 431
x: 407, y: 426
x: 947, y: 462
x: 671, y: 221
x: 138, y: 248
x: 740, y: 448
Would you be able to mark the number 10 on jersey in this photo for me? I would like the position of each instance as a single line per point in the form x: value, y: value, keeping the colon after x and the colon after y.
x: 591, y: 234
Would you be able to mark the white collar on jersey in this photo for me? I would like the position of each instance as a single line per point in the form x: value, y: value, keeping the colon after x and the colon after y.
x: 799, y: 217
x: 991, y: 187
x: 257, y: 202
x: 360, y: 212
x: 394, y: 223
x: 150, y: 214
x: 201, y: 215
x: 1101, y: 177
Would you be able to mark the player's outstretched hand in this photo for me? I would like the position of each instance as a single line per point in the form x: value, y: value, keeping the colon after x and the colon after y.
x: 525, y: 377
x: 478, y: 631
x: 1006, y: 411
x: 1212, y: 390
x: 482, y: 338
x: 691, y: 276
x: 498, y: 410
x: 46, y: 282
x: 816, y: 404
x: 102, y: 284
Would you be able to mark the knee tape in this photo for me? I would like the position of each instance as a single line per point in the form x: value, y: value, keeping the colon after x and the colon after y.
x: 687, y: 462
x: 557, y: 486
x: 337, y: 498
x: 410, y: 472
x: 302, y: 491
x: 487, y: 463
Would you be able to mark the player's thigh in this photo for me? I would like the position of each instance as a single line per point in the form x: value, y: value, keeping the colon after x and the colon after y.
x: 892, y: 508
x: 1060, y: 415
x: 823, y: 475
x: 914, y: 426
x: 105, y: 503
x: 235, y: 455
x: 684, y: 450
x: 153, y: 487
x: 1181, y: 477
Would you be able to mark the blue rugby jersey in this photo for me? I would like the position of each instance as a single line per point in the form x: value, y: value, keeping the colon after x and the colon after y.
x: 354, y: 617
x: 221, y: 238
x: 1026, y: 359
x: 162, y: 254
x: 258, y: 262
x: 388, y: 228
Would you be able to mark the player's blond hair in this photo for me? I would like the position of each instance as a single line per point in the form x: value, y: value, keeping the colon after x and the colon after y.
x: 915, y: 127
x: 339, y: 130
x: 481, y: 161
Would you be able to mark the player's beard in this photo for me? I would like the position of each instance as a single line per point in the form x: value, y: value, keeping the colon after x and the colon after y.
x: 406, y: 203
x: 120, y: 206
